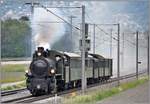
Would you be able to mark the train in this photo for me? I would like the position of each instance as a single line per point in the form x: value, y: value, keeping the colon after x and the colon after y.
x: 51, y: 71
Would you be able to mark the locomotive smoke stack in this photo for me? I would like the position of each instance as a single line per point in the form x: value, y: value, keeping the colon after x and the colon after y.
x: 40, y: 48
x: 44, y: 45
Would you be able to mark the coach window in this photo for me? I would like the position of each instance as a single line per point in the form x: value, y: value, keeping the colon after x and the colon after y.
x: 66, y: 61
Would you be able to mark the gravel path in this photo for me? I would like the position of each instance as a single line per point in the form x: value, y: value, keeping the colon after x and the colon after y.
x: 138, y: 95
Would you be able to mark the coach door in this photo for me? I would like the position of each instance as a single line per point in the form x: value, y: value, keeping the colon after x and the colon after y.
x: 67, y: 69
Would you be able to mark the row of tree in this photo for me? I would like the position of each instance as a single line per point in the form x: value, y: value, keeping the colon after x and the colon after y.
x: 15, y: 38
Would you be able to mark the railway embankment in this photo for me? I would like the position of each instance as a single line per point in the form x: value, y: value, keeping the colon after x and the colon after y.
x: 137, y: 95
x: 98, y: 94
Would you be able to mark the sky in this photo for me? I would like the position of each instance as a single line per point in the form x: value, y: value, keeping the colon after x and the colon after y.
x: 138, y: 10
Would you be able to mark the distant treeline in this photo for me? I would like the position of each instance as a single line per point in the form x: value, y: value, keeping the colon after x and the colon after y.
x: 15, y: 38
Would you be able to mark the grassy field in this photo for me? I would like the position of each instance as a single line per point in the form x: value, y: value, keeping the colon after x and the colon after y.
x: 13, y: 87
x: 13, y: 73
x: 93, y: 97
x: 12, y: 79
x: 14, y: 68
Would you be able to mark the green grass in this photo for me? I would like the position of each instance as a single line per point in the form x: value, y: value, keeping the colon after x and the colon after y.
x: 13, y: 73
x: 10, y: 80
x: 93, y: 97
x: 13, y: 87
x: 14, y: 68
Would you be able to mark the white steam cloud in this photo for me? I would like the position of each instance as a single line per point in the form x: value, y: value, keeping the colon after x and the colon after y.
x: 45, y: 31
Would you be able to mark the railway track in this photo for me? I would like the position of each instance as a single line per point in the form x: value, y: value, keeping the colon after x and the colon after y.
x: 30, y: 99
x: 10, y: 92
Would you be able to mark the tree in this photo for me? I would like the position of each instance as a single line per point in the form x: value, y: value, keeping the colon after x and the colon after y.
x: 16, y: 38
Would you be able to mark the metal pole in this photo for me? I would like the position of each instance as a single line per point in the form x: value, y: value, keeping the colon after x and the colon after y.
x: 93, y: 38
x: 118, y: 55
x: 0, y: 54
x: 123, y: 52
x: 137, y: 54
x: 71, y: 30
x: 71, y: 27
x: 148, y: 54
x: 0, y: 40
x: 110, y: 43
x: 83, y: 50
x: 32, y: 4
x: 32, y: 12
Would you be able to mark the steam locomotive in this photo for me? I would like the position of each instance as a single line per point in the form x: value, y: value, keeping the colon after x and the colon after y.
x: 51, y: 71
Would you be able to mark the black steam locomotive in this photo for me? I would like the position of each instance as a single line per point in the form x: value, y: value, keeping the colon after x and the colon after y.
x: 52, y: 71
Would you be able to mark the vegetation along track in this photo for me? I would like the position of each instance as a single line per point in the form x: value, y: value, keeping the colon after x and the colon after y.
x: 30, y: 99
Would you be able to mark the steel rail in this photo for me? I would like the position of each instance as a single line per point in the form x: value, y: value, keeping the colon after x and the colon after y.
x: 10, y: 92
x: 17, y: 99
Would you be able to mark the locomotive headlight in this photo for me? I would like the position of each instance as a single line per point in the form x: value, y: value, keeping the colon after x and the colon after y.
x: 26, y: 71
x: 52, y: 71
x: 38, y: 86
x: 39, y: 54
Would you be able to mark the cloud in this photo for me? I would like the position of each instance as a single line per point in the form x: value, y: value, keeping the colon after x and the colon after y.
x: 128, y: 24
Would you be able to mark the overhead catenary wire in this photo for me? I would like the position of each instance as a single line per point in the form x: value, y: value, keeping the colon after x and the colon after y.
x: 59, y: 17
x: 44, y: 7
x: 99, y: 27
x: 108, y: 33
